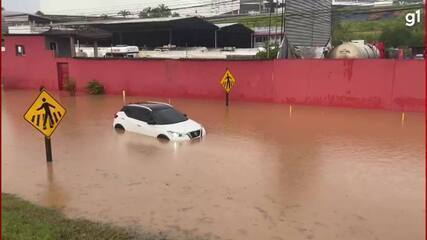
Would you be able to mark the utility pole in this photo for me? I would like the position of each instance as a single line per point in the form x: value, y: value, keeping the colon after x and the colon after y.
x: 269, y: 30
x: 282, y: 27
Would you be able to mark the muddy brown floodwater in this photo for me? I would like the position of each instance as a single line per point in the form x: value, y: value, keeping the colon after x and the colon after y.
x: 262, y: 172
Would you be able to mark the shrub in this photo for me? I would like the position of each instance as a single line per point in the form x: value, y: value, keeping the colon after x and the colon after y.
x: 264, y: 54
x: 95, y: 88
x: 70, y: 86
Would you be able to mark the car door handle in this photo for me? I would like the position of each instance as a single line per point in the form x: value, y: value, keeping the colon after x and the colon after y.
x: 138, y: 125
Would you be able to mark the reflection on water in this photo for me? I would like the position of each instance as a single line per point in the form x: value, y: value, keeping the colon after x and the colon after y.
x: 264, y: 171
x: 53, y: 195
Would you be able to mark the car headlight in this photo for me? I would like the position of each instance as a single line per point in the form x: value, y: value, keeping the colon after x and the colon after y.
x: 174, y: 134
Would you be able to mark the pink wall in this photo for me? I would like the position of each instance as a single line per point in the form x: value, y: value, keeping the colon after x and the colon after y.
x: 37, y: 67
x: 383, y: 84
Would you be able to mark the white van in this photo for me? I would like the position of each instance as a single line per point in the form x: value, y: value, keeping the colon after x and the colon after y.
x: 122, y: 51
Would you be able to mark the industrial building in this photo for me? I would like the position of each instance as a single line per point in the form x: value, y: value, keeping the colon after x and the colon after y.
x: 10, y: 18
x: 248, y: 6
x: 177, y: 31
x: 171, y: 34
x: 23, y: 23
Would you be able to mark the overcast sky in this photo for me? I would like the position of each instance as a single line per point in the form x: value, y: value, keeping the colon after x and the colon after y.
x: 30, y: 6
x: 98, y: 7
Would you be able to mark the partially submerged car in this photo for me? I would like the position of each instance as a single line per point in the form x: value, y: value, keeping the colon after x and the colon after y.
x: 158, y: 120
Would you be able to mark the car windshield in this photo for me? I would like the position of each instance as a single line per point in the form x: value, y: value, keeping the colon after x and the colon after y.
x: 168, y: 116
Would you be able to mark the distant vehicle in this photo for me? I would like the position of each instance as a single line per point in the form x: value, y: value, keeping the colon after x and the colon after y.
x: 158, y: 120
x: 419, y: 56
x: 119, y: 51
x: 122, y: 51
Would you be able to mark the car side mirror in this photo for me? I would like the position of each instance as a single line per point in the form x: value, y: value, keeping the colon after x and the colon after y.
x: 185, y: 115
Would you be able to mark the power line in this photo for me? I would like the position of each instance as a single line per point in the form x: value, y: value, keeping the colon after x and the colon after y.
x: 231, y: 3
x: 139, y: 7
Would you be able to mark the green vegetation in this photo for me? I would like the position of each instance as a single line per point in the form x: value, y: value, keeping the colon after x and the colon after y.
x: 391, y: 31
x: 157, y: 12
x: 95, y: 88
x: 399, y: 35
x: 270, y: 51
x: 23, y: 220
x: 39, y: 13
x: 124, y: 13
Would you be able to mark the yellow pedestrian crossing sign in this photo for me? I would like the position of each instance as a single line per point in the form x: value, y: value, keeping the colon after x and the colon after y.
x: 45, y: 113
x: 228, y: 81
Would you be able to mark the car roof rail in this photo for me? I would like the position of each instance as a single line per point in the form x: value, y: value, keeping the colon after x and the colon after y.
x: 158, y: 103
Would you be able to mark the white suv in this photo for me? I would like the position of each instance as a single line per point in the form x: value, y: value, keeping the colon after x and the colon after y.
x: 158, y: 120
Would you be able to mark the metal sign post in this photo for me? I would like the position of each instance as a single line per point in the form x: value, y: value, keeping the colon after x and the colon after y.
x: 227, y: 83
x: 45, y: 114
x: 48, y: 149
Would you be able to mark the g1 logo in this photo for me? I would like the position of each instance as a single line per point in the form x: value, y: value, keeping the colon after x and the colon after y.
x: 413, y: 18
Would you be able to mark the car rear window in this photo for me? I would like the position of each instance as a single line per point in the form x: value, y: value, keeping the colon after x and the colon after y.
x: 168, y: 116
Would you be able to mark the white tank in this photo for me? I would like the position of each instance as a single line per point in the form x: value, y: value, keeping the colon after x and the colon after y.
x: 354, y: 50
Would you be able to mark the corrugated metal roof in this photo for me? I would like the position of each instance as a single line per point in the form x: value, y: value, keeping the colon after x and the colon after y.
x: 308, y: 23
x: 15, y: 14
x: 90, y: 33
x: 126, y: 21
x: 236, y: 25
x: 222, y: 25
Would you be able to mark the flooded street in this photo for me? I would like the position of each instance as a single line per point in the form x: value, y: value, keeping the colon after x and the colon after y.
x: 262, y: 171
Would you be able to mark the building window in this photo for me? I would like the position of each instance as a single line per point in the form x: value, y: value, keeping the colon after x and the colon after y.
x: 20, y: 50
x: 52, y: 46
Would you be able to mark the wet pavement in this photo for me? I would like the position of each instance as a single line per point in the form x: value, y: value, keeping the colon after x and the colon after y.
x: 262, y: 172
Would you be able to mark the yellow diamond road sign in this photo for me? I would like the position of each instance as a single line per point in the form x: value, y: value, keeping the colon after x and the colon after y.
x: 228, y: 81
x: 45, y: 114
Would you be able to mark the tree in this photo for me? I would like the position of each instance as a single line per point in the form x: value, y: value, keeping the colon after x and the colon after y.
x: 161, y: 11
x: 341, y: 34
x: 145, y: 13
x: 157, y: 12
x: 124, y: 13
x: 402, y: 36
x: 105, y: 16
x: 397, y: 34
x: 39, y: 13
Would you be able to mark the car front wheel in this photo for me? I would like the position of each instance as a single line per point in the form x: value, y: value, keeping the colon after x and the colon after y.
x: 119, y: 128
x: 163, y: 138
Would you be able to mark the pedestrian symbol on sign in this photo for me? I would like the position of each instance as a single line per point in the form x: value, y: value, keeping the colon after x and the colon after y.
x: 45, y: 114
x: 228, y: 81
